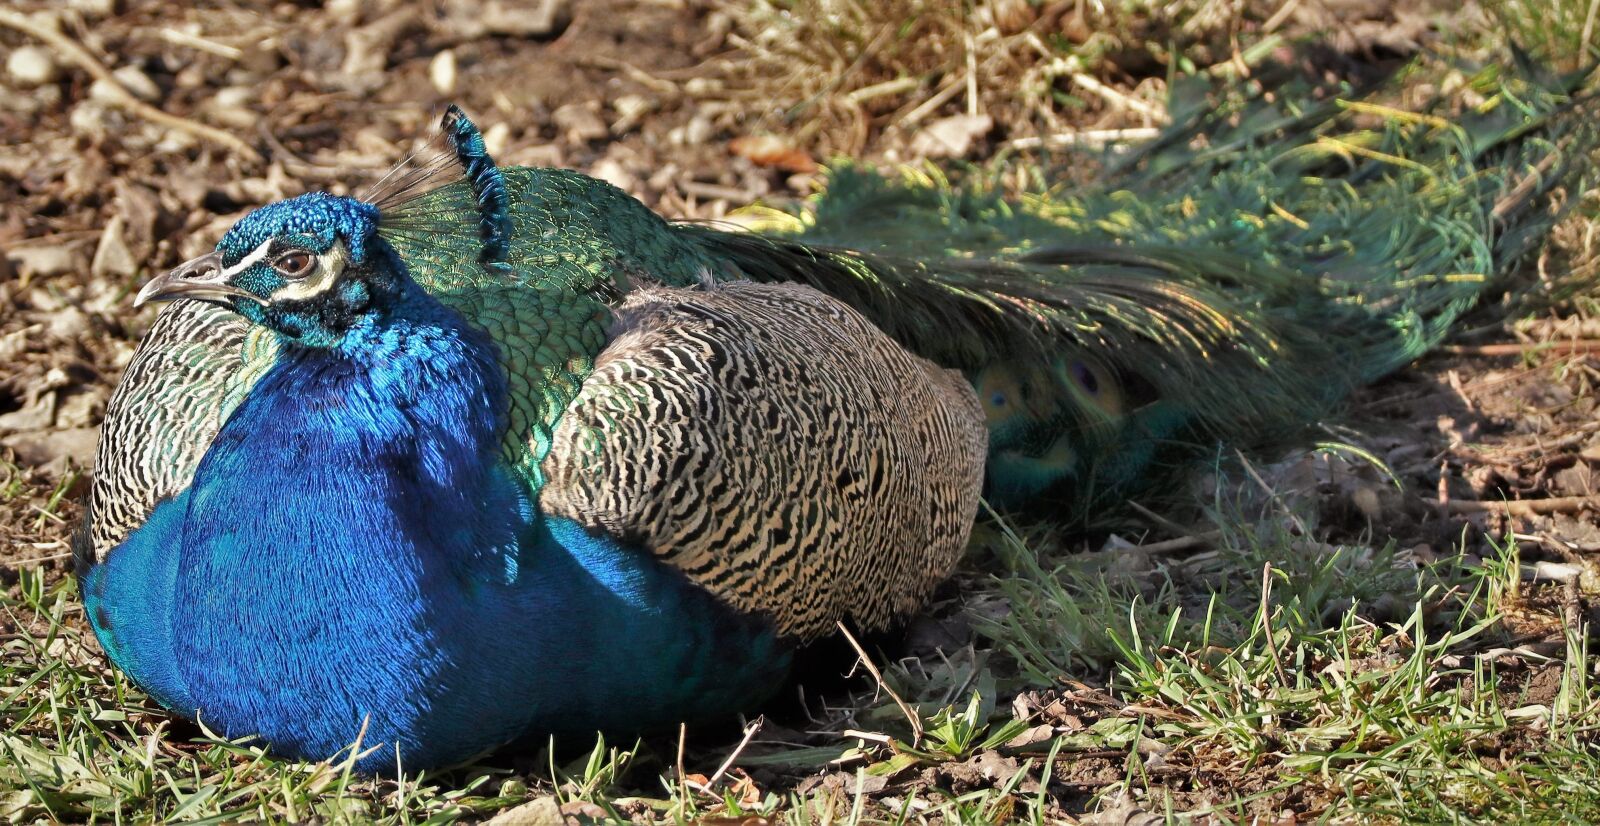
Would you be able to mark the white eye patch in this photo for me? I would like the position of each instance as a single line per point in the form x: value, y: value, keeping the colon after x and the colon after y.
x: 328, y: 267
x: 248, y: 261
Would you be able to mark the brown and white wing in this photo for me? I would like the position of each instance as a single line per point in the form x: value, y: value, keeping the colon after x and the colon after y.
x: 777, y: 448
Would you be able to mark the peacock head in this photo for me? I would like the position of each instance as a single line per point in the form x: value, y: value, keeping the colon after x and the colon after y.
x: 308, y: 268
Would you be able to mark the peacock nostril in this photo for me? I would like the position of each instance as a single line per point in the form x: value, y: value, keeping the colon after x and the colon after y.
x: 201, y: 268
x: 203, y: 274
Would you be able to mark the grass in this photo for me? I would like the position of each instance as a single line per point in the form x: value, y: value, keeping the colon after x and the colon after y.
x: 830, y: 75
x: 1232, y: 684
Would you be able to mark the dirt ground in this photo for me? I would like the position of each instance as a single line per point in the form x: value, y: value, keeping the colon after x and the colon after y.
x: 98, y: 196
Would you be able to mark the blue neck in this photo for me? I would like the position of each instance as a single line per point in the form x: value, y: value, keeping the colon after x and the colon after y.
x: 345, y: 521
x: 353, y: 551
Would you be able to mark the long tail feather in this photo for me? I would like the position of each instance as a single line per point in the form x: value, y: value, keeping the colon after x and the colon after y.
x: 1235, y: 278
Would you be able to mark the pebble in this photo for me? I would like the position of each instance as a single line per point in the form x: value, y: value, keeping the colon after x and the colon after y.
x: 15, y: 343
x: 951, y: 137
x: 544, y: 154
x: 94, y: 8
x: 347, y: 12
x: 42, y: 262
x: 699, y: 130
x: 613, y: 172
x: 579, y: 123
x: 54, y: 450
x: 699, y: 87
x: 68, y: 324
x: 238, y: 117
x: 525, y: 18
x: 696, y: 132
x: 442, y: 72
x: 80, y: 408
x: 102, y: 91
x: 90, y: 119
x: 112, y: 258
x: 630, y: 110
x: 36, y: 414
x: 174, y: 141
x: 138, y: 83
x: 233, y: 96
x: 544, y: 810
x: 496, y: 138
x: 30, y: 66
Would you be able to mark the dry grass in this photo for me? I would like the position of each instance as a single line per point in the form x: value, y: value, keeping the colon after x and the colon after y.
x: 837, y: 72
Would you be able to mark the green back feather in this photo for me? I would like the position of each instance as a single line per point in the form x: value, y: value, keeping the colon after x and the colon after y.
x: 576, y: 243
x: 1234, y: 291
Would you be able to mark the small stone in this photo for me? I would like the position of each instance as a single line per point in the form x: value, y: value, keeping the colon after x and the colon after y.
x: 1013, y: 16
x: 347, y: 12
x: 112, y: 258
x: 1366, y: 500
x: 702, y: 86
x: 138, y: 83
x: 36, y: 414
x: 663, y: 178
x: 30, y: 66
x: 174, y: 142
x: 951, y: 137
x: 496, y: 138
x: 42, y: 262
x: 53, y: 450
x: 68, y: 323
x: 580, y: 123
x: 104, y: 93
x: 612, y: 172
x: 131, y: 80
x: 442, y: 72
x: 94, y: 8
x: 233, y: 97
x: 87, y: 176
x: 238, y: 117
x: 260, y: 59
x: 539, y: 155
x: 141, y: 211
x: 80, y: 409
x: 699, y: 130
x: 630, y: 110
x: 546, y: 811
x: 525, y: 18
x: 15, y: 343
x: 91, y: 119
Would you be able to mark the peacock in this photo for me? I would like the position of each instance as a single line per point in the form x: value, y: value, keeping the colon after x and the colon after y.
x: 414, y: 476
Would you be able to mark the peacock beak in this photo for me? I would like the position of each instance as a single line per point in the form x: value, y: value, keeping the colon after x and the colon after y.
x: 202, y: 278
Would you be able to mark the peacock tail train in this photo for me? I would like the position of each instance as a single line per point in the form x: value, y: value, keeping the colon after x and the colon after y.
x: 1231, y: 281
x: 703, y: 447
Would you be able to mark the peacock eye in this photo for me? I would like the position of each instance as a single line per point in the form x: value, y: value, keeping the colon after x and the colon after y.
x: 295, y: 264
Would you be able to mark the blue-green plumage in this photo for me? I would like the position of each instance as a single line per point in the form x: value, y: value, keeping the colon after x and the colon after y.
x: 353, y: 555
x: 488, y: 185
x: 518, y: 456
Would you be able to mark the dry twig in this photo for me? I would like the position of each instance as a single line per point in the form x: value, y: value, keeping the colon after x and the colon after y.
x: 749, y: 732
x: 1525, y: 507
x: 1266, y: 623
x: 1516, y: 349
x: 911, y: 714
x: 82, y: 59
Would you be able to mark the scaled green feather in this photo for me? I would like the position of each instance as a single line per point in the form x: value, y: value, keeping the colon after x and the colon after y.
x: 1234, y: 279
